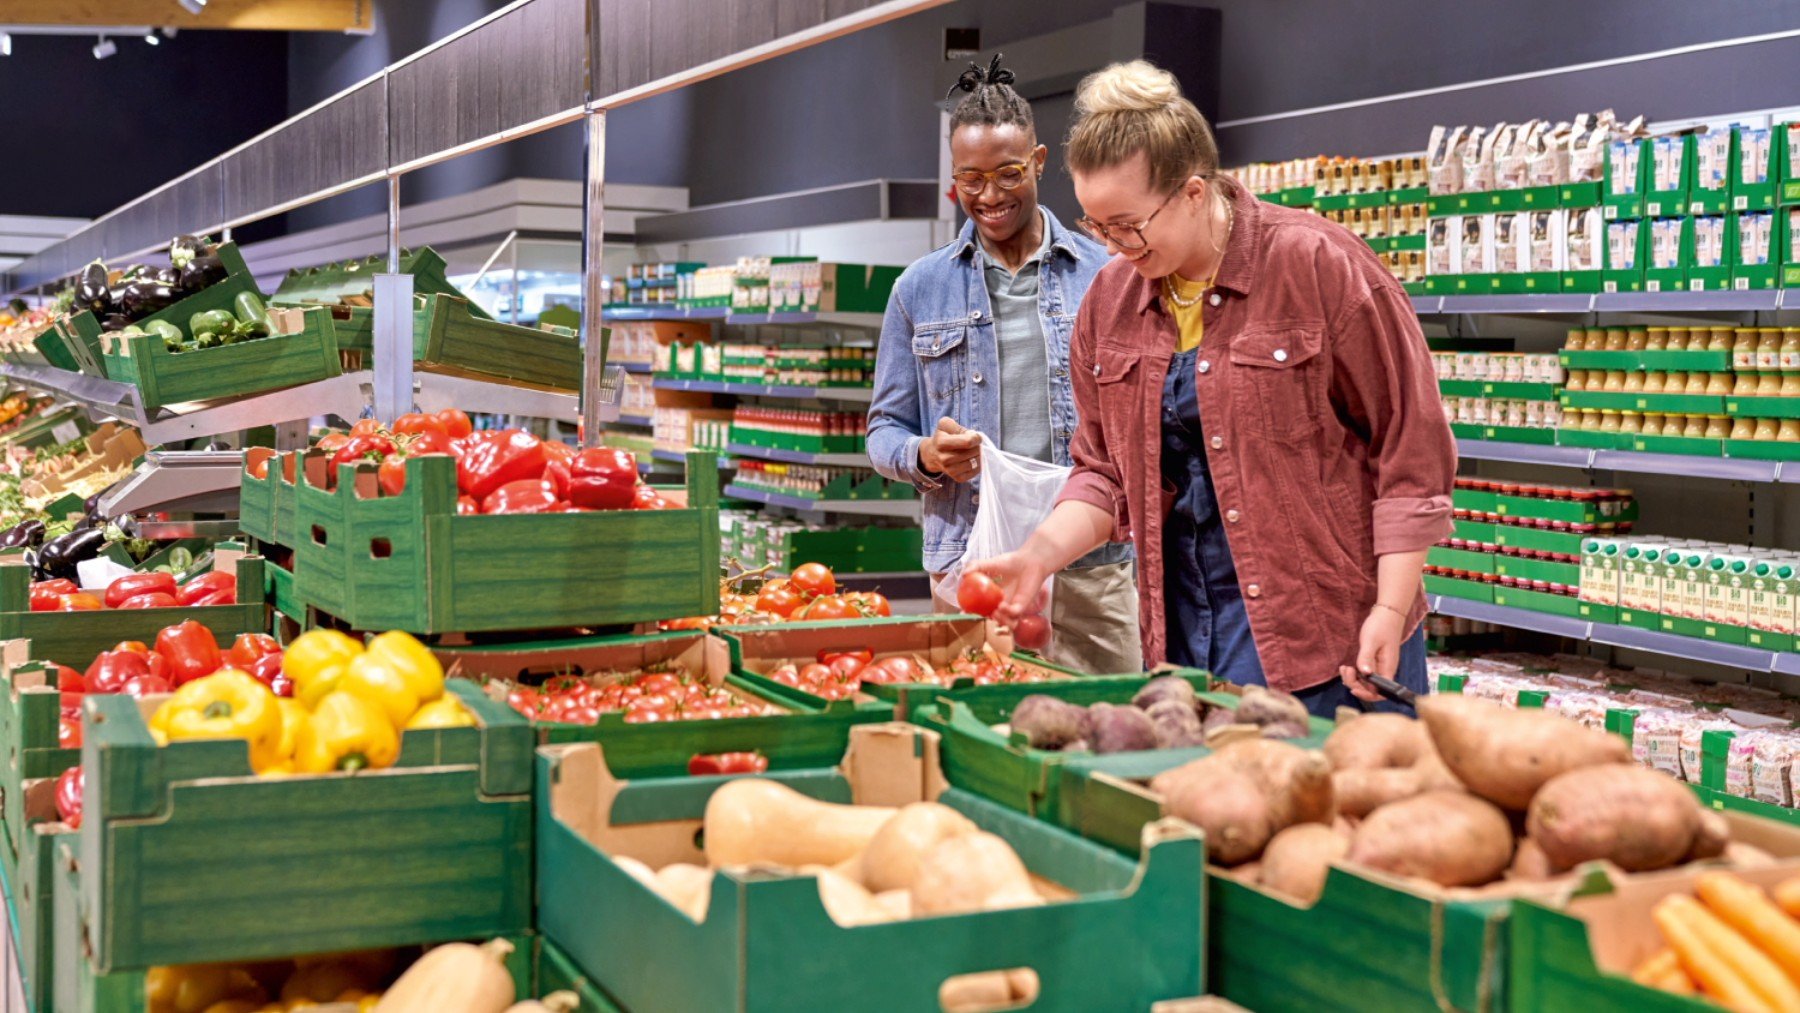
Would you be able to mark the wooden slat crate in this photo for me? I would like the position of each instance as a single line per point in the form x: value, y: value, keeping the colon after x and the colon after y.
x: 186, y: 856
x: 248, y: 367
x: 410, y: 562
x: 457, y: 339
x: 30, y: 719
x: 75, y: 638
x: 34, y: 886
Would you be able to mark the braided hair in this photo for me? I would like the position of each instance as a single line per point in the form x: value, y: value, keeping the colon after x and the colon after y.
x: 990, y: 100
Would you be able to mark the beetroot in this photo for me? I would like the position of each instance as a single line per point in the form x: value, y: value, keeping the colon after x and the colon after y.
x: 1049, y: 723
x: 1165, y: 687
x: 1176, y: 724
x: 1120, y: 729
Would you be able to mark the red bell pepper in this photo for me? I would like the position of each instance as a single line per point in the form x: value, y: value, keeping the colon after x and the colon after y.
x: 44, y: 593
x: 150, y: 600
x: 68, y: 729
x: 557, y: 474
x: 249, y: 648
x: 133, y: 584
x: 267, y: 670
x: 727, y: 763
x: 72, y: 684
x: 144, y: 685
x: 109, y: 671
x: 159, y: 666
x: 603, y: 478
x: 206, y: 585
x: 466, y: 505
x: 511, y: 456
x: 69, y: 787
x: 190, y: 651
x: 526, y: 496
x: 646, y: 497
x: 80, y: 601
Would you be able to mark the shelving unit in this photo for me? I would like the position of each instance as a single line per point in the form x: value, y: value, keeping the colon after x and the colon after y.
x: 850, y: 460
x: 907, y: 508
x: 859, y: 395
x: 1756, y: 301
x: 1632, y: 462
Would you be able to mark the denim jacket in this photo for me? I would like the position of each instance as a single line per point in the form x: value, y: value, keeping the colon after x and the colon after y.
x: 939, y: 357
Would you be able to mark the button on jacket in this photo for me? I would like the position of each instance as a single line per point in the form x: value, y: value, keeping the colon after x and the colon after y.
x: 1326, y: 434
x: 938, y: 342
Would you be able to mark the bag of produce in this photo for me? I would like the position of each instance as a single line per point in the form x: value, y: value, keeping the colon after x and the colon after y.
x: 1017, y: 494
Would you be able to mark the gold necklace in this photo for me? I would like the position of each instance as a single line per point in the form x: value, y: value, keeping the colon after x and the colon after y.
x: 1174, y: 294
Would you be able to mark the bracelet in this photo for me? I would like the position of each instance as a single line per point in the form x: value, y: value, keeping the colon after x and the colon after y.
x: 1390, y: 608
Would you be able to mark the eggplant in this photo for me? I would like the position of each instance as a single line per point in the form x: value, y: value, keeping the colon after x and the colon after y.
x: 16, y: 536
x: 169, y: 276
x: 91, y: 289
x: 205, y: 269
x: 146, y: 295
x: 115, y: 322
x: 29, y: 533
x: 59, y: 555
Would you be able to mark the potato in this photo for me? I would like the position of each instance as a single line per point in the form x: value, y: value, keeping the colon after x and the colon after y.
x: 1228, y: 806
x: 1049, y: 723
x: 1374, y: 741
x: 1360, y: 791
x: 1632, y: 816
x: 1529, y: 863
x: 1447, y: 837
x: 1297, y: 859
x: 1263, y: 706
x: 1505, y: 755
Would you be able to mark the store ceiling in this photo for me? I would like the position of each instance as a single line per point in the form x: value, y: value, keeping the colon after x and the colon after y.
x: 263, y: 15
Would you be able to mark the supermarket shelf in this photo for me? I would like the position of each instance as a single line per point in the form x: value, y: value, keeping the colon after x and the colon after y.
x: 635, y: 420
x: 852, y: 460
x: 870, y: 507
x: 1501, y: 615
x: 858, y: 394
x: 665, y: 313
x: 1762, y: 300
x: 869, y: 320
x: 1547, y: 302
x: 1523, y: 453
x: 202, y: 481
x: 636, y: 367
x: 1737, y: 469
x: 677, y: 457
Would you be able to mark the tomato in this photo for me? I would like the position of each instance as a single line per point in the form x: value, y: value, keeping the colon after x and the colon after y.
x: 814, y: 675
x: 829, y: 607
x: 786, y: 675
x: 846, y: 666
x: 813, y: 580
x: 331, y: 443
x: 418, y: 424
x: 432, y: 442
x: 979, y: 594
x: 366, y: 427
x: 1032, y: 633
x: 259, y: 468
x: 391, y: 476
x: 865, y: 655
x: 77, y: 602
x: 525, y: 700
x: 702, y: 764
x: 152, y: 600
x: 454, y: 422
x: 777, y: 601
x: 871, y: 603
x: 903, y: 669
x: 362, y: 447
x: 466, y: 506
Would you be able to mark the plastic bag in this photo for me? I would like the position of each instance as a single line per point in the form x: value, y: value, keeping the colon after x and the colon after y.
x: 1017, y: 495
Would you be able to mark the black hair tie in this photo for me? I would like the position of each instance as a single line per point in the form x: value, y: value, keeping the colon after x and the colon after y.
x: 975, y: 77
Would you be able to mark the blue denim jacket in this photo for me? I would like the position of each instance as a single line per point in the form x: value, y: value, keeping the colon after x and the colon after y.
x: 938, y: 357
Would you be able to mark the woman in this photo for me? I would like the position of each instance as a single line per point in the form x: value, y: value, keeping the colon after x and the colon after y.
x: 1259, y: 414
x: 976, y: 341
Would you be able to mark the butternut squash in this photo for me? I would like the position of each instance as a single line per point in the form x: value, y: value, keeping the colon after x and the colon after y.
x: 454, y: 978
x: 688, y: 887
x: 891, y: 861
x: 847, y: 903
x: 555, y: 1002
x: 972, y: 872
x: 753, y: 820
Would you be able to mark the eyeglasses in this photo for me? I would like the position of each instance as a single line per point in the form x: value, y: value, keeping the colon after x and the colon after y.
x: 1007, y: 177
x: 1124, y: 235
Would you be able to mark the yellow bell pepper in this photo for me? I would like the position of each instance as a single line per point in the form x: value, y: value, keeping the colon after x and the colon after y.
x: 345, y: 732
x: 293, y: 715
x: 201, y: 988
x: 315, y: 660
x: 414, y: 661
x: 227, y: 704
x: 444, y: 712
x: 377, y: 679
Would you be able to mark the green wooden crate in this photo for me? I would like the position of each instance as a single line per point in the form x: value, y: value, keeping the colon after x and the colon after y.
x: 75, y: 638
x: 256, y: 496
x: 248, y: 367
x: 330, y: 283
x: 410, y: 562
x: 758, y: 650
x: 34, y: 889
x: 800, y: 737
x: 436, y: 848
x: 30, y: 720
x: 1132, y: 937
x: 459, y: 339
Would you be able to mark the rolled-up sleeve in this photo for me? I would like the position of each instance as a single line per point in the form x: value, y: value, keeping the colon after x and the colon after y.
x: 1384, y: 381
x: 1095, y: 480
x: 896, y: 422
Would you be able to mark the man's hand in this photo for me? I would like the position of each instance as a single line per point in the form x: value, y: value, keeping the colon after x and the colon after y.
x: 951, y: 451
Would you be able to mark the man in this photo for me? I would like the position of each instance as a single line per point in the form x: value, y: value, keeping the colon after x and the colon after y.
x: 976, y: 340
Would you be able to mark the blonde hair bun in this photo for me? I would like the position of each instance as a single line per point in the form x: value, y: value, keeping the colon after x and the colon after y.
x: 1137, y: 86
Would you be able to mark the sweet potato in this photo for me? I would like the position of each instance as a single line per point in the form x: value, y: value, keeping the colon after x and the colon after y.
x: 1747, y: 856
x: 1228, y: 806
x: 1297, y: 782
x: 1713, y: 837
x: 1362, y: 790
x: 1529, y: 863
x: 1297, y: 859
x: 1505, y: 755
x: 1448, y: 837
x: 1632, y: 816
x: 1373, y: 741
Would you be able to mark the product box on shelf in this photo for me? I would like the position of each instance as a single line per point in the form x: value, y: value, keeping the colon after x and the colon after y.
x: 1114, y: 931
x: 1670, y: 177
x: 1708, y: 252
x: 757, y: 652
x: 1709, y: 176
x: 1759, y: 241
x: 1627, y: 178
x: 411, y: 562
x: 1774, y: 592
x: 450, y: 824
x: 303, y: 349
x: 75, y: 638
x: 791, y: 734
x: 1756, y: 166
x: 1627, y: 252
x: 1585, y: 261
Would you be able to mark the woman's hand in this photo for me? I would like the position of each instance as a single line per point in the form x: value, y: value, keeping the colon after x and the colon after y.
x: 1022, y: 573
x: 1377, y: 652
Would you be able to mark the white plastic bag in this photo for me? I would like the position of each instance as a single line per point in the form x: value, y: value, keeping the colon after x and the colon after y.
x: 1017, y: 494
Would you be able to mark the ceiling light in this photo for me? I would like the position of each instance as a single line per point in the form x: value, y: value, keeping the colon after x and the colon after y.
x: 152, y: 39
x: 105, y: 48
x: 5, y: 44
x: 193, y: 6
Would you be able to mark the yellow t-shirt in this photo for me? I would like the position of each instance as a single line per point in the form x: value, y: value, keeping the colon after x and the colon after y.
x: 1187, y: 318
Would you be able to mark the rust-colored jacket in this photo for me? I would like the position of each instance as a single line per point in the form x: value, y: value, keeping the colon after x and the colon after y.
x: 1325, y: 432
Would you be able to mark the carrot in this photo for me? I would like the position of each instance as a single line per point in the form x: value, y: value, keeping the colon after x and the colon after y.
x: 1724, y: 963
x: 1787, y: 896
x: 1676, y: 981
x: 1749, y: 910
x: 1656, y: 967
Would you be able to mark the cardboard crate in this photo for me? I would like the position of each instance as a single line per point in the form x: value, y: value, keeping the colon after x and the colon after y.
x: 1121, y: 932
x: 758, y: 650
x: 75, y: 638
x: 556, y: 972
x: 796, y: 737
x: 411, y: 562
x: 304, y: 351
x: 435, y: 848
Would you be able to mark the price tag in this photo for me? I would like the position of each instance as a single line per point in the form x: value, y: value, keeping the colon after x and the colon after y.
x: 65, y: 432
